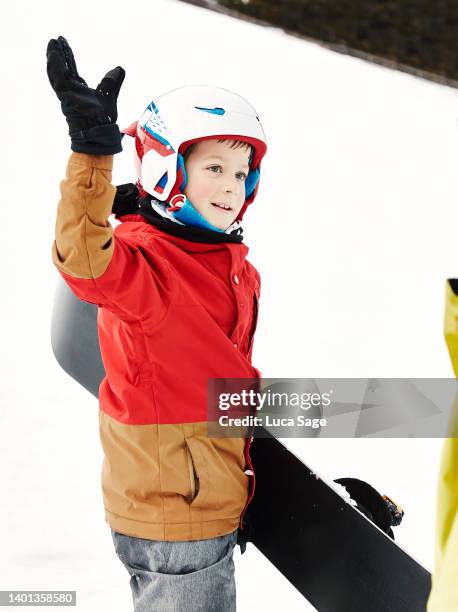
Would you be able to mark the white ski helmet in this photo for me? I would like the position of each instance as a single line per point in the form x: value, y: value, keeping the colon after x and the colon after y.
x: 175, y: 120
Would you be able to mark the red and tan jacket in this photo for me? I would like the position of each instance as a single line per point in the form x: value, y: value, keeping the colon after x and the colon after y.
x: 172, y: 314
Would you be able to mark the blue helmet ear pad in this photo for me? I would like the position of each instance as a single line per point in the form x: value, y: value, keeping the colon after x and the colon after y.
x: 251, y: 182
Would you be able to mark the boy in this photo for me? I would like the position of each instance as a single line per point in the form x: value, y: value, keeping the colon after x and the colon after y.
x: 177, y: 306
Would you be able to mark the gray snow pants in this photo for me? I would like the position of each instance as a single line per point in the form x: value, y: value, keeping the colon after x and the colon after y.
x: 196, y: 576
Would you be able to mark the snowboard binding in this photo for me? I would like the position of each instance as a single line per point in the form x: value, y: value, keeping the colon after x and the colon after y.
x: 380, y: 509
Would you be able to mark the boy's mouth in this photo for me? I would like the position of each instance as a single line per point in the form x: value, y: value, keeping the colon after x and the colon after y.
x: 221, y: 206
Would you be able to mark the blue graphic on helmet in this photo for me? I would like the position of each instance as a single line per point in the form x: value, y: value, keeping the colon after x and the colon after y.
x: 157, y: 137
x: 213, y: 111
x: 152, y: 107
x: 163, y: 181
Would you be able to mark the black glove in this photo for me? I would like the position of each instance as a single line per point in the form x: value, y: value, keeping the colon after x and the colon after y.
x: 91, y: 114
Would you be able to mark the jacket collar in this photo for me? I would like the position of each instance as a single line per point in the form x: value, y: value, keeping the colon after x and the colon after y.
x: 128, y: 203
x: 188, y: 232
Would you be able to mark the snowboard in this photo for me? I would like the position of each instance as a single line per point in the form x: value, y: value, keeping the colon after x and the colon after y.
x: 328, y: 550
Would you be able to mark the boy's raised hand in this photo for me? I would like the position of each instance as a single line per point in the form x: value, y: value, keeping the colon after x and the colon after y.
x: 91, y: 114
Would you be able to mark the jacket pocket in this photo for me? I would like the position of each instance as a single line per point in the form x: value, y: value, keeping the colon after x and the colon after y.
x: 218, y: 466
x: 193, y: 475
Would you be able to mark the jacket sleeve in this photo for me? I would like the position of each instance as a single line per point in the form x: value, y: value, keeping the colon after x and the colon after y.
x: 110, y: 271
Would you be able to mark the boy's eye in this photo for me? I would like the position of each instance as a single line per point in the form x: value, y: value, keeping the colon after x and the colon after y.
x: 244, y: 176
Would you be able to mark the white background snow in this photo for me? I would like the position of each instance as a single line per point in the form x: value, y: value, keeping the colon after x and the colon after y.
x: 353, y: 231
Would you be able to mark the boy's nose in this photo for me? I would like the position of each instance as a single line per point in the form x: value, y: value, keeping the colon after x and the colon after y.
x: 232, y: 186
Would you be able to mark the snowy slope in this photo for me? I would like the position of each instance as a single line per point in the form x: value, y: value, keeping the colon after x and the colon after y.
x: 353, y: 232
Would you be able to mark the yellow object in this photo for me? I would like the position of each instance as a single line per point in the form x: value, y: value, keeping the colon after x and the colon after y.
x: 444, y: 594
x: 451, y: 322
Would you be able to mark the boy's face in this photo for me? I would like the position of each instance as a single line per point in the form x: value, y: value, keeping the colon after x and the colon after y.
x: 216, y: 175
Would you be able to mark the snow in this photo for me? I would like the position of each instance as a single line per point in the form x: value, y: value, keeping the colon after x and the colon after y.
x: 342, y: 491
x: 353, y: 230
